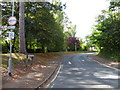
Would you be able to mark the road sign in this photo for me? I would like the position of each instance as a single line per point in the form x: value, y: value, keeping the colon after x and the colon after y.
x: 11, y: 27
x: 11, y: 40
x: 12, y: 20
x: 11, y: 35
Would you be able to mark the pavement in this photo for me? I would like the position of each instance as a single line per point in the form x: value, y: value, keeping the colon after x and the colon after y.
x: 81, y: 71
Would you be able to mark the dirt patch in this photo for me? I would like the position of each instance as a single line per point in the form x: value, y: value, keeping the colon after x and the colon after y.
x: 29, y: 77
x: 42, y: 66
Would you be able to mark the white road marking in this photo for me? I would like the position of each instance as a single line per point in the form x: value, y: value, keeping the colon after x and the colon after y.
x: 69, y: 62
x: 83, y: 60
x: 107, y: 65
x: 103, y: 64
x: 54, y: 77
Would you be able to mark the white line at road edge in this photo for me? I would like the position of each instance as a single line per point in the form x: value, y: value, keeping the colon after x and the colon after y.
x: 54, y: 77
x: 101, y: 63
x: 105, y: 65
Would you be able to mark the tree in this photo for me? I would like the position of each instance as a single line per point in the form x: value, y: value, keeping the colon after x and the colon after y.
x: 42, y: 28
x: 22, y: 42
x: 73, y: 43
x: 106, y: 33
x: 6, y: 13
x: 70, y: 29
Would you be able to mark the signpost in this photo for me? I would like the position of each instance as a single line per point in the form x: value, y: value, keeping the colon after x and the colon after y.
x: 11, y: 27
x: 11, y: 21
x: 11, y: 35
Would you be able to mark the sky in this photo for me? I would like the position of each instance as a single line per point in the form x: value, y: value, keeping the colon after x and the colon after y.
x: 82, y: 13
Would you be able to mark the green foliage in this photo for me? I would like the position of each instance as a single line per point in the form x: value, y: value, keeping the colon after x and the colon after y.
x: 70, y: 29
x: 43, y: 25
x: 113, y: 5
x: 47, y: 31
x: 106, y: 34
x: 84, y: 47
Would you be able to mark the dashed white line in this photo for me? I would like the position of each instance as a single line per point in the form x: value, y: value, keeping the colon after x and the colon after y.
x: 69, y: 62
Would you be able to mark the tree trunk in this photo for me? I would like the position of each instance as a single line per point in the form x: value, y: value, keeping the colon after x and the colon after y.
x: 22, y: 44
x: 42, y: 48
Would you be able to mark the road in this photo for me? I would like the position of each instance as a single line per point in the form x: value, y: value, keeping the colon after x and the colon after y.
x: 78, y: 71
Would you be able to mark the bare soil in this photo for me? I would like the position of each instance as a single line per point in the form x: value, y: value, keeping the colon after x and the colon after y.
x: 29, y: 77
x: 43, y: 65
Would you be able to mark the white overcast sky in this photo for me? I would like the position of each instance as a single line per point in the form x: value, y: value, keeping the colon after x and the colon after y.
x: 83, y: 13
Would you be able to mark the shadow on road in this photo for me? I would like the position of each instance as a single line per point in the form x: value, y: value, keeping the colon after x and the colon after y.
x: 79, y: 72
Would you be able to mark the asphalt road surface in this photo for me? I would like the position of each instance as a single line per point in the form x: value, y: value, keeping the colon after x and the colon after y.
x: 78, y: 71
